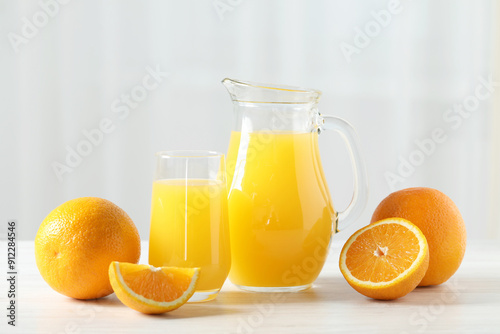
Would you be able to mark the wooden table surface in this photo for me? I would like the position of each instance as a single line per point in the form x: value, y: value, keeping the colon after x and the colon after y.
x: 468, y: 303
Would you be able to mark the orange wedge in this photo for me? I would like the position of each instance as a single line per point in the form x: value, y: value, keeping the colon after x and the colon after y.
x: 152, y: 290
x: 385, y: 260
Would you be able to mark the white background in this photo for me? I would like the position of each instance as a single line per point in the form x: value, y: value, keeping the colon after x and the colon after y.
x: 65, y: 78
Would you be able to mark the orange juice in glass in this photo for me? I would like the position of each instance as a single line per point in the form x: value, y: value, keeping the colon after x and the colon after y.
x: 189, y: 222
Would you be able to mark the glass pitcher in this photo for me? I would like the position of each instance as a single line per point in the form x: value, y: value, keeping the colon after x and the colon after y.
x: 281, y: 214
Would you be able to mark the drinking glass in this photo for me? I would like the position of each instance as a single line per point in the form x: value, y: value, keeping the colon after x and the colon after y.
x: 189, y: 218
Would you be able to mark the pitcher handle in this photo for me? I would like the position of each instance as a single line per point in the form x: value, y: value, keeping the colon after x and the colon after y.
x: 360, y: 194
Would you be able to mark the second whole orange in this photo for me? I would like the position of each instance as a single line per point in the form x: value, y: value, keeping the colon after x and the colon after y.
x: 439, y: 219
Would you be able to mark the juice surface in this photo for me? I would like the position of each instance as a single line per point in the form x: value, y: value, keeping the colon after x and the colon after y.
x: 189, y: 228
x: 280, y: 210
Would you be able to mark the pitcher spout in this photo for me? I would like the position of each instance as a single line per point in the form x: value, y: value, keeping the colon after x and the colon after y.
x: 251, y: 92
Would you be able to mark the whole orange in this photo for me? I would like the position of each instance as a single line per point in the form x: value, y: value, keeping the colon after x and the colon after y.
x: 78, y: 240
x: 441, y: 222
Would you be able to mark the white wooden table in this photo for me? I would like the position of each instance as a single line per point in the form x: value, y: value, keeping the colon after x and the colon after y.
x: 468, y: 303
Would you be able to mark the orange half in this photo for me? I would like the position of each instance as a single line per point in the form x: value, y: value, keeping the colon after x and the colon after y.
x: 385, y: 260
x: 152, y: 290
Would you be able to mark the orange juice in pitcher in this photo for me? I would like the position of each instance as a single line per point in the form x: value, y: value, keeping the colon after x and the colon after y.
x: 281, y: 210
x: 281, y: 215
